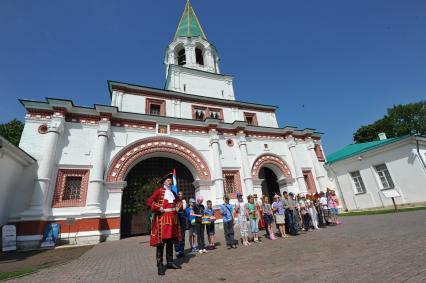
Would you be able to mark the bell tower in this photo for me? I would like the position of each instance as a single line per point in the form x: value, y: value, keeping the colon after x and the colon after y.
x: 192, y: 62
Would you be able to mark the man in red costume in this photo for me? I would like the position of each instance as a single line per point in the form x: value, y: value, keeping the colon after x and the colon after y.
x: 165, y: 228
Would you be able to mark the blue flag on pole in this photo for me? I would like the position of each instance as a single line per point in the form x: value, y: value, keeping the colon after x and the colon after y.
x: 174, y: 185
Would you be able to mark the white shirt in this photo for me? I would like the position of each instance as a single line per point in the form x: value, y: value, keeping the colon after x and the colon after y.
x: 169, y: 196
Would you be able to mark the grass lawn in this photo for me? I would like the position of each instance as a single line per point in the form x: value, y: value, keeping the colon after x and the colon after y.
x: 381, y: 211
x: 19, y: 273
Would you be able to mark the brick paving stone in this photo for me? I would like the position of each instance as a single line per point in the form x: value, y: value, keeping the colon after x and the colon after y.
x: 376, y: 248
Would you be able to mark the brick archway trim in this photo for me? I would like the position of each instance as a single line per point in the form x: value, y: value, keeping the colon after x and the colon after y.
x: 266, y: 159
x: 128, y: 156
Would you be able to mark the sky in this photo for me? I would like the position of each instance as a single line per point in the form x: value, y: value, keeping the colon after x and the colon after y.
x: 331, y: 65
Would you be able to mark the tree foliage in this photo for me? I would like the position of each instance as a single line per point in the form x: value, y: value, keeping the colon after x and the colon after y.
x: 400, y: 120
x: 12, y: 131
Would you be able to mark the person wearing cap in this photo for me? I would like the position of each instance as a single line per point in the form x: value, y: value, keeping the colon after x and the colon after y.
x: 227, y: 211
x: 243, y: 219
x: 303, y: 210
x: 200, y: 228
x: 189, y: 213
x: 165, y: 229
x: 278, y: 209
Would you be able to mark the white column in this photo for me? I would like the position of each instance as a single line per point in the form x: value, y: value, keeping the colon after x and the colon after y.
x: 96, y: 190
x: 299, y: 174
x: 217, y: 165
x: 248, y: 180
x: 39, y: 203
x: 319, y: 170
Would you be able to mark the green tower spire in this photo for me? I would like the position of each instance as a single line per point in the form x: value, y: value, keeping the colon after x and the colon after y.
x: 189, y: 25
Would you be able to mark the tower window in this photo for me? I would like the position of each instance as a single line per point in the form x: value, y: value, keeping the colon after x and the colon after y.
x: 199, y: 56
x: 200, y: 114
x: 250, y: 118
x: 181, y: 57
x: 155, y: 109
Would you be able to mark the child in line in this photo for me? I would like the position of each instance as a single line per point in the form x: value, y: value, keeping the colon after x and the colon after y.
x: 254, y: 218
x: 189, y: 213
x: 210, y: 226
x: 268, y: 217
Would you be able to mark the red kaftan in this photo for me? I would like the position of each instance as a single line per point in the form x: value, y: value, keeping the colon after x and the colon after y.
x: 164, y: 225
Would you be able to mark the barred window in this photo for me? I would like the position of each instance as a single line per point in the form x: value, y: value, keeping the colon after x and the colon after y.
x: 72, y: 188
x: 358, y: 182
x: 230, y: 184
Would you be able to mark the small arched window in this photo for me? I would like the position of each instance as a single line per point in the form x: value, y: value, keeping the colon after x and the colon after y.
x: 181, y: 57
x: 199, y: 56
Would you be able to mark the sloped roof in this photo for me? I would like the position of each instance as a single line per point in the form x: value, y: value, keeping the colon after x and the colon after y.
x: 189, y: 25
x: 357, y: 148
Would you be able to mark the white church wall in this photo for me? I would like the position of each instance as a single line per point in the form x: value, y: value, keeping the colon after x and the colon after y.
x: 203, y: 85
x: 77, y: 144
x: 32, y: 141
x: 133, y: 103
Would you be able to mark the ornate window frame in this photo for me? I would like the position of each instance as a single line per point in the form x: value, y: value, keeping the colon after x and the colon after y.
x: 237, y: 182
x: 151, y: 101
x: 58, y: 194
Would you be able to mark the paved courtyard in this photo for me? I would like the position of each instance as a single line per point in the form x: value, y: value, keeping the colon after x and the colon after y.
x: 377, y: 248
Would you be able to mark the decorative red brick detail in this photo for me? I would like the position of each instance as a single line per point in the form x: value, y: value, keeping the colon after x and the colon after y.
x: 270, y: 159
x: 130, y: 155
x: 237, y: 183
x: 253, y: 117
x: 188, y: 129
x: 39, y: 114
x: 319, y: 153
x: 83, y: 119
x: 161, y: 103
x: 126, y: 123
x: 42, y: 129
x: 309, y: 181
x: 61, y: 179
x: 36, y: 227
x: 230, y: 142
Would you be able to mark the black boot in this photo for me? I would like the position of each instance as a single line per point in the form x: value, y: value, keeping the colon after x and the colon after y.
x: 169, y: 255
x: 171, y: 265
x: 160, y: 266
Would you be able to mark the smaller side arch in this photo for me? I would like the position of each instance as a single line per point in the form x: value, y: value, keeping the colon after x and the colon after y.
x: 270, y: 159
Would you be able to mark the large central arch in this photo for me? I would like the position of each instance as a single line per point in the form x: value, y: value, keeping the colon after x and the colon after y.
x: 133, y: 153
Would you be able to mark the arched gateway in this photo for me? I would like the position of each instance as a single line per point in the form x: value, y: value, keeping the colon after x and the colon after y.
x: 270, y: 170
x: 141, y: 164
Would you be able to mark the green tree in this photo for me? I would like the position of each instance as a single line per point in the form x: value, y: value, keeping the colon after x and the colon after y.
x: 400, y: 120
x: 12, y: 131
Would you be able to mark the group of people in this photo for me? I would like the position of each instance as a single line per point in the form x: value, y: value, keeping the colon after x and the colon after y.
x: 292, y: 215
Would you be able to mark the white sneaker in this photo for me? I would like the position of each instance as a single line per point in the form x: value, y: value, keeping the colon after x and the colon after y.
x: 205, y: 251
x: 201, y: 252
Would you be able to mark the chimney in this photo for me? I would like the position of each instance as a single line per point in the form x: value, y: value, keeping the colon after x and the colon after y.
x: 382, y: 136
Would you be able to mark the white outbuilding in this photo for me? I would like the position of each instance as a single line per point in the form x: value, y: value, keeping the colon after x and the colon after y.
x: 368, y: 174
